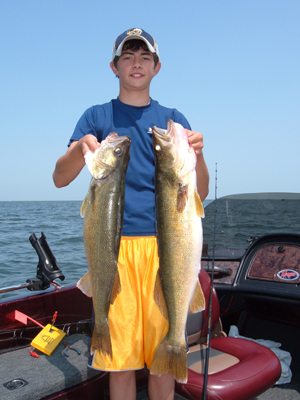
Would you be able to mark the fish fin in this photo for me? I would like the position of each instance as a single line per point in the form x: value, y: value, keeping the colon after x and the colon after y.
x: 199, y: 205
x: 182, y: 197
x: 85, y: 285
x: 83, y: 207
x: 159, y: 297
x: 198, y: 300
x: 88, y: 158
x: 101, y: 340
x: 170, y: 359
x: 116, y: 289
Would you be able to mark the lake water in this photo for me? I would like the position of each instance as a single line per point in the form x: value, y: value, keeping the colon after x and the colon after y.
x: 236, y: 221
x: 61, y: 223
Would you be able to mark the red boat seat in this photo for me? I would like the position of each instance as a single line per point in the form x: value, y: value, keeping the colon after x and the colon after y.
x: 239, y: 369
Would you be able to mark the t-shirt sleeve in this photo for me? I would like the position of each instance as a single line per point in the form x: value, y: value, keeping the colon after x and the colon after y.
x: 86, y: 125
x: 180, y: 119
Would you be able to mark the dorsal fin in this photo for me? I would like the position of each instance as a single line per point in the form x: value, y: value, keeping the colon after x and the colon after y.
x: 83, y: 207
x: 85, y: 285
x: 199, y: 205
x: 198, y: 300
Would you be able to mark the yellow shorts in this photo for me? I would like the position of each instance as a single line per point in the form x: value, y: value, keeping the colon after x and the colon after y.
x: 136, y: 323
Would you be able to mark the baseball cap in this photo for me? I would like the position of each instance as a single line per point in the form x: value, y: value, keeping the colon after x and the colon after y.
x: 134, y: 33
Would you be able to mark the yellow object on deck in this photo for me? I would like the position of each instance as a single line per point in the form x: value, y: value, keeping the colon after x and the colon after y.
x: 48, y: 339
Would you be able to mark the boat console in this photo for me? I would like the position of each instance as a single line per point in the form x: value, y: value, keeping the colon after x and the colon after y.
x: 269, y: 267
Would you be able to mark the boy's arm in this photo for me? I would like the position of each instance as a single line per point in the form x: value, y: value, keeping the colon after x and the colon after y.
x: 70, y: 164
x: 196, y: 140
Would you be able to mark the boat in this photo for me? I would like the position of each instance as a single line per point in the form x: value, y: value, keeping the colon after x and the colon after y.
x: 251, y: 252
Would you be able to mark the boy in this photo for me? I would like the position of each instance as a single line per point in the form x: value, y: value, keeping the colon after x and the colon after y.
x: 136, y: 325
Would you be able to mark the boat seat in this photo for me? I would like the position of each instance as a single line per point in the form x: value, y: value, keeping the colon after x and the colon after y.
x: 45, y: 375
x: 239, y: 369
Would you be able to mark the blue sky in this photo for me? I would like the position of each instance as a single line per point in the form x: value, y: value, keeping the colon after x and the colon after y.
x: 232, y: 67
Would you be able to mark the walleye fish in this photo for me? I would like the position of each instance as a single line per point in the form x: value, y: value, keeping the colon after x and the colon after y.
x: 179, y: 234
x: 103, y: 209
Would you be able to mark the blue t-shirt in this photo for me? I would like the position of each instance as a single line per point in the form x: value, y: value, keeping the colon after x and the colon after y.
x: 137, y: 123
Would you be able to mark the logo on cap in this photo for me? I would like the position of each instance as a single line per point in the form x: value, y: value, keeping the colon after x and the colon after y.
x: 135, y: 31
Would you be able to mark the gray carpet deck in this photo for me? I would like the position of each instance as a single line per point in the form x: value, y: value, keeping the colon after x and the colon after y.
x: 47, y: 374
x: 279, y: 393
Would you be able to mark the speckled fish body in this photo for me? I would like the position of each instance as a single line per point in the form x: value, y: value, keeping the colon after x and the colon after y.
x: 179, y: 234
x: 103, y: 209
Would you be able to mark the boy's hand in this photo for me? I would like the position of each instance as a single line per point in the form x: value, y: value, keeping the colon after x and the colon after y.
x: 70, y: 164
x: 196, y: 140
x: 89, y: 142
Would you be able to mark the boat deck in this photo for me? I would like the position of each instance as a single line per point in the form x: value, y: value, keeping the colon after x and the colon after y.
x: 45, y: 375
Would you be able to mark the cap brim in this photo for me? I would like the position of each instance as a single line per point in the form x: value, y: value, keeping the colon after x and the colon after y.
x: 117, y: 52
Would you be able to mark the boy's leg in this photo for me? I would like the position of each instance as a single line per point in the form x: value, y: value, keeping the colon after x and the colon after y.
x: 161, y: 387
x: 122, y: 385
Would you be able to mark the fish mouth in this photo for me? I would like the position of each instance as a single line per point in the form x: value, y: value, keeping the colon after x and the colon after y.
x: 112, y: 149
x: 173, y: 143
x: 115, y: 138
x: 165, y: 134
x: 169, y: 135
x: 163, y: 137
x: 117, y: 142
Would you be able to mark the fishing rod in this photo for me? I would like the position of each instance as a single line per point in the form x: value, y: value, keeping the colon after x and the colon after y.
x: 211, y: 294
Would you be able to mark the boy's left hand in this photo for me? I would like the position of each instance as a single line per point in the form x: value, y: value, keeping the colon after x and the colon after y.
x: 196, y: 140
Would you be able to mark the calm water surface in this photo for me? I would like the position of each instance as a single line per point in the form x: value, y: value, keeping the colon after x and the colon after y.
x: 236, y: 222
x: 61, y: 223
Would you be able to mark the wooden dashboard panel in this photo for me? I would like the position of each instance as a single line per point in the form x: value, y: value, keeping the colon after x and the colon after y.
x: 277, y: 263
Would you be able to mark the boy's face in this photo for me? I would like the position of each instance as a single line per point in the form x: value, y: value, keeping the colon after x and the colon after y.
x: 135, y: 69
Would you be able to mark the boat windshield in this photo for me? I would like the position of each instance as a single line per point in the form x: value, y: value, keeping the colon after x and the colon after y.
x: 240, y: 218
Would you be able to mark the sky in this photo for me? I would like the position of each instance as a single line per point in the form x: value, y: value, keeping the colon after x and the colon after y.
x: 230, y: 66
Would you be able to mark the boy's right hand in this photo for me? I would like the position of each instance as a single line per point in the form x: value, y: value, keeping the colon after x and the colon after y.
x: 70, y: 164
x: 89, y: 143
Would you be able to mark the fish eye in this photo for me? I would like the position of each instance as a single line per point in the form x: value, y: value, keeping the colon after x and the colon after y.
x: 157, y: 147
x: 118, y: 151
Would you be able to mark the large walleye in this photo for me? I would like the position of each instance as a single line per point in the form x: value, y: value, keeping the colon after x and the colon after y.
x: 179, y: 234
x: 103, y: 209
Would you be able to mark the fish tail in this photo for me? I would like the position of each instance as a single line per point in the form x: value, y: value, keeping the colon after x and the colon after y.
x: 101, y: 340
x: 170, y: 359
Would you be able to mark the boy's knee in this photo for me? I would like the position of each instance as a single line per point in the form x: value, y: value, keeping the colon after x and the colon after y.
x: 122, y: 385
x: 162, y: 387
x: 122, y: 376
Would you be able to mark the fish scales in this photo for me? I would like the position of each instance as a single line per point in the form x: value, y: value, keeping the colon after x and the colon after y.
x: 103, y: 210
x: 179, y: 233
